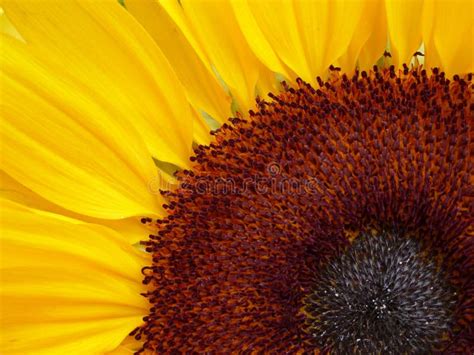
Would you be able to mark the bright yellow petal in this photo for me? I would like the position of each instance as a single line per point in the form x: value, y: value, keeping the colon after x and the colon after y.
x: 24, y: 198
x: 268, y: 83
x: 66, y: 288
x: 369, y: 40
x: 307, y: 36
x: 277, y: 22
x: 201, y: 129
x: 130, y: 228
x: 448, y: 35
x: 128, y: 347
x: 55, y: 142
x: 108, y: 52
x: 376, y: 45
x: 6, y: 26
x: 404, y: 20
x: 176, y: 13
x: 202, y: 88
x: 224, y: 44
x: 256, y: 38
x: 327, y: 28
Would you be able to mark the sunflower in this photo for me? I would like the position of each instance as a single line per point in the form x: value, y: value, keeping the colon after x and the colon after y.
x: 331, y: 213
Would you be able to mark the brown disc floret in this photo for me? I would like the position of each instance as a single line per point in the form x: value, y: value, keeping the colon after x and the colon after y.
x: 279, y: 197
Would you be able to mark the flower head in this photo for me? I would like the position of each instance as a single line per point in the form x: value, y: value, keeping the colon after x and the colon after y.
x: 330, y: 210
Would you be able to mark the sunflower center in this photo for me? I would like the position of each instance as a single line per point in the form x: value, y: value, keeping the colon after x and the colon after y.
x: 280, y: 192
x: 382, y: 294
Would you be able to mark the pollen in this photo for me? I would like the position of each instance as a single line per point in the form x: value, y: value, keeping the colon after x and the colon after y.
x: 382, y: 159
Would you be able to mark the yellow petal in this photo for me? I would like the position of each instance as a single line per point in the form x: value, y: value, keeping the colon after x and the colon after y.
x: 448, y: 35
x: 277, y: 23
x: 7, y: 27
x: 13, y: 191
x: 66, y: 288
x: 218, y: 32
x: 256, y: 39
x: 306, y: 36
x: 201, y: 129
x: 201, y: 86
x: 404, y: 21
x: 369, y: 39
x: 130, y: 228
x: 176, y: 13
x: 62, y: 143
x: 108, y: 52
x: 128, y: 347
x: 376, y: 45
x: 327, y: 29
